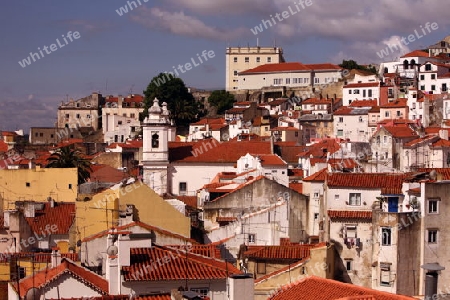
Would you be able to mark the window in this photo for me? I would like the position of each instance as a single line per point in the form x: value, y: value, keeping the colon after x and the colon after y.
x: 258, y: 59
x: 340, y: 132
x: 354, y: 199
x: 316, y: 216
x: 251, y: 238
x: 277, y: 81
x: 132, y: 115
x: 385, y: 274
x: 306, y: 80
x: 350, y: 92
x: 336, y: 197
x: 78, y: 116
x: 124, y: 114
x: 269, y: 59
x: 261, y: 267
x: 22, y: 272
x: 386, y: 235
x: 361, y: 119
x: 422, y: 77
x: 247, y: 59
x: 67, y: 116
x: 364, y: 93
x: 385, y: 139
x: 369, y: 92
x: 386, y: 114
x: 235, y: 59
x: 427, y: 67
x: 201, y: 291
x: 444, y: 87
x: 294, y: 80
x: 51, y: 136
x: 433, y: 87
x: 433, y: 206
x: 432, y: 236
x: 27, y: 184
x: 341, y: 120
x: 41, y: 134
x: 349, y: 264
x: 288, y: 81
x: 182, y: 187
x: 155, y: 140
x: 235, y: 72
x: 433, y: 76
x: 316, y: 80
x: 119, y: 122
x: 356, y: 92
x: 70, y: 186
x: 398, y: 113
x: 422, y: 87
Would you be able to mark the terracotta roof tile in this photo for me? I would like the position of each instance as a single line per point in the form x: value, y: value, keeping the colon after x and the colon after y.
x: 3, y: 146
x: 289, y: 252
x: 389, y: 183
x: 443, y: 173
x: 362, y: 85
x: 417, y: 53
x: 179, y: 266
x: 62, y: 215
x: 298, y: 187
x: 312, y: 288
x: 363, y: 103
x: 318, y: 176
x: 47, y: 275
x: 323, y: 66
x: 281, y: 67
x: 401, y: 131
x: 188, y: 200
x: 401, y: 102
x: 349, y: 214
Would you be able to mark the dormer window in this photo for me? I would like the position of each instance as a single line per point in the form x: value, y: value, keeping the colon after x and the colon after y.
x: 155, y: 140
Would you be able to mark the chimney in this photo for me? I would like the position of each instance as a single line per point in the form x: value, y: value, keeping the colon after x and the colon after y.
x: 431, y: 279
x: 56, y: 257
x: 241, y: 287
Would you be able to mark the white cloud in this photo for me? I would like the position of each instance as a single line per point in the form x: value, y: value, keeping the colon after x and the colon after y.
x: 181, y: 24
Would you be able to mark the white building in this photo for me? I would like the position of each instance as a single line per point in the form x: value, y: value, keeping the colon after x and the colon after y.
x: 291, y: 75
x: 434, y: 78
x: 238, y: 59
x: 352, y: 123
x: 360, y: 91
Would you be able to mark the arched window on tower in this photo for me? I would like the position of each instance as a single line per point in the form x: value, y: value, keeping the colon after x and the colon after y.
x: 155, y: 140
x: 405, y: 64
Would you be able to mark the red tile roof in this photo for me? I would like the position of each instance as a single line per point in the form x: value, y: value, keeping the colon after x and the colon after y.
x: 271, y: 160
x: 324, y: 66
x: 313, y: 288
x: 130, y: 144
x: 363, y: 103
x: 318, y: 176
x: 188, y: 200
x: 362, y: 85
x: 389, y: 183
x: 401, y: 131
x: 401, y: 102
x: 48, y: 275
x: 62, y: 215
x: 350, y: 111
x: 417, y: 53
x: 227, y: 152
x: 274, y: 68
x: 288, y: 128
x: 290, y: 252
x: 443, y: 173
x: 176, y: 265
x: 209, y: 121
x: 142, y: 225
x: 318, y: 149
x: 298, y: 187
x: 36, y: 257
x: 349, y: 214
x: 106, y: 173
x: 3, y: 146
x: 277, y: 102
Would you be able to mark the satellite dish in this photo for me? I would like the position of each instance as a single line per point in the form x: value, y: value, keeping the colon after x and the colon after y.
x: 32, y: 294
x: 112, y: 250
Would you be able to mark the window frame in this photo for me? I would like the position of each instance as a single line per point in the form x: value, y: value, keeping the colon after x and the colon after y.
x: 435, y: 209
x: 388, y: 241
x: 356, y: 197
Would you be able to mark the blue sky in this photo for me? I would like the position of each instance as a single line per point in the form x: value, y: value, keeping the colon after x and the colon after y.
x: 127, y: 51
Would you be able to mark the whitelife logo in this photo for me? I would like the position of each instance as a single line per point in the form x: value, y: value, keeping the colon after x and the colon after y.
x: 124, y: 9
x: 281, y: 16
x: 53, y: 47
x: 411, y: 38
x: 187, y: 66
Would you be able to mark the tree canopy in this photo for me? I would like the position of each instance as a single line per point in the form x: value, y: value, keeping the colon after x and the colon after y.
x: 222, y: 100
x: 172, y: 90
x: 351, y: 64
x: 67, y: 157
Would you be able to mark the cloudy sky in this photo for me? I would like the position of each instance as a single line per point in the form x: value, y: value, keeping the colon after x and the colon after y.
x: 118, y: 54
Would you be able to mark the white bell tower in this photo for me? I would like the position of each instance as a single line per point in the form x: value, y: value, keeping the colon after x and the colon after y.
x: 157, y: 131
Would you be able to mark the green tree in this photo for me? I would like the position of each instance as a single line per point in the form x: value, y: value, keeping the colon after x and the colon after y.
x: 222, y: 100
x: 172, y: 90
x: 351, y: 64
x: 67, y: 157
